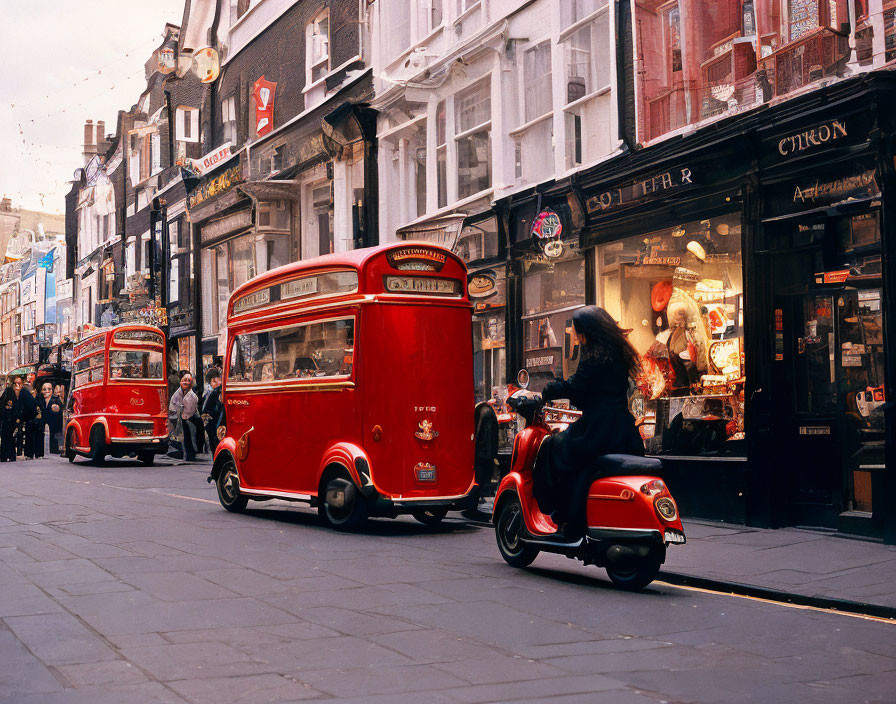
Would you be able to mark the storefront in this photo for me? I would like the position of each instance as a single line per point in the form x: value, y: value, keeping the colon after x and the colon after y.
x: 824, y: 205
x: 666, y: 241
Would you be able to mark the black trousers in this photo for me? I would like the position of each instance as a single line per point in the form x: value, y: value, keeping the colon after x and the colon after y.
x: 7, y: 445
x: 37, y: 438
x: 55, y: 434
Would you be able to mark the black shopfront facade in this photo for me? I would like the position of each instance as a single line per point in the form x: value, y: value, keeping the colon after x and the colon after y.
x: 753, y: 263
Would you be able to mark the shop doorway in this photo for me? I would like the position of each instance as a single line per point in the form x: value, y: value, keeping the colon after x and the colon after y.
x: 829, y: 391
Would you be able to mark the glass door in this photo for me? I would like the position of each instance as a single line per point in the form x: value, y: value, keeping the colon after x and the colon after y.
x: 861, y: 385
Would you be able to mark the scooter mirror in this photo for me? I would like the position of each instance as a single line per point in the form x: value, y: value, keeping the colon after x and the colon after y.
x: 522, y: 378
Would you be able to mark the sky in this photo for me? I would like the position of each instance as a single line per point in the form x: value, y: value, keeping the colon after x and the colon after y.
x: 63, y: 63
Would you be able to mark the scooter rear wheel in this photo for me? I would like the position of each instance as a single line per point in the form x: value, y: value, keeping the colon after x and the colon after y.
x: 638, y: 575
x: 509, y: 526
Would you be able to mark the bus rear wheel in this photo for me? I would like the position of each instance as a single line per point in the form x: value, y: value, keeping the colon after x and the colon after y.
x: 98, y: 445
x: 344, y: 507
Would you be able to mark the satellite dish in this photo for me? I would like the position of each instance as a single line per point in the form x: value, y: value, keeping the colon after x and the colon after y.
x: 206, y: 65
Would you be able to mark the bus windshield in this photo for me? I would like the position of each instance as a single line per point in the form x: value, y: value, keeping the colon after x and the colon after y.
x: 136, y: 364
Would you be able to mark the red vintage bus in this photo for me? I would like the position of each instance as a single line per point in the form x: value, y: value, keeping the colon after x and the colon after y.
x: 348, y: 384
x: 118, y: 403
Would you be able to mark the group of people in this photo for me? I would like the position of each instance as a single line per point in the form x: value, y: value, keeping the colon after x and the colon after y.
x: 193, y: 423
x: 26, y: 414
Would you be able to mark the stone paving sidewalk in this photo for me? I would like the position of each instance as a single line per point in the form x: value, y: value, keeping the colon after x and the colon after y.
x: 793, y: 560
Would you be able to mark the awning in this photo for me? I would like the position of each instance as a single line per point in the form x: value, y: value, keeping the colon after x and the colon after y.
x: 442, y: 230
x: 271, y: 190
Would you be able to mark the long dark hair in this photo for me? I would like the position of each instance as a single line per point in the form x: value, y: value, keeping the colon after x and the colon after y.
x: 605, y: 341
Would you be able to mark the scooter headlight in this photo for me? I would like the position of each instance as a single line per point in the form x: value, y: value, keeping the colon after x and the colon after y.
x: 666, y: 507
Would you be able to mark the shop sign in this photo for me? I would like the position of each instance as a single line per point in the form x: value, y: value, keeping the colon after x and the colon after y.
x: 815, y: 430
x: 208, y: 162
x: 263, y: 92
x: 543, y: 360
x: 225, y: 225
x: 482, y: 284
x: 661, y: 261
x: 832, y: 277
x: 639, y: 190
x: 814, y: 137
x: 216, y: 186
x: 863, y: 184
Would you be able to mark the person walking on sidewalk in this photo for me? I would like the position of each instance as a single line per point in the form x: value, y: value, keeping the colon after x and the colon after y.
x: 53, y: 414
x: 29, y: 414
x: 37, y: 426
x: 183, y: 417
x: 12, y: 407
x: 212, y: 407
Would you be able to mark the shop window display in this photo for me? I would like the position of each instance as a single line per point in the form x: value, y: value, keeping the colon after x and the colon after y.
x: 680, y: 292
x: 552, y: 291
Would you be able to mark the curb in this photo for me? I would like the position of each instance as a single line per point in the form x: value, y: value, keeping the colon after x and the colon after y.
x: 819, y: 602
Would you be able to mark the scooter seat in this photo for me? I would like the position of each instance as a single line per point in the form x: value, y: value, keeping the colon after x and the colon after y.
x: 615, y: 465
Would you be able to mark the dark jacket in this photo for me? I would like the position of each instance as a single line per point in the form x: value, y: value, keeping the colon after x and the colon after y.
x: 52, y: 418
x: 599, y: 389
x: 212, y: 406
x: 23, y: 408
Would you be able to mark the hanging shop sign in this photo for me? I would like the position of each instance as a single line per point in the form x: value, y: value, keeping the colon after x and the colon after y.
x: 639, y: 190
x: 546, y: 231
x: 263, y: 92
x: 482, y: 284
x: 213, y: 159
x: 216, y: 186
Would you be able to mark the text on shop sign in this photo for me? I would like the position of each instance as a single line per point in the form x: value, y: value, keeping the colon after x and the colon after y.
x: 814, y: 137
x: 861, y: 184
x: 216, y: 186
x: 633, y: 192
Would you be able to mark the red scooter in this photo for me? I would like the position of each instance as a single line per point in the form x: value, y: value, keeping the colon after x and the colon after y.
x: 631, y: 516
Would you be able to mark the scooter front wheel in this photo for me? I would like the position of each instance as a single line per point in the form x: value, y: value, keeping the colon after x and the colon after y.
x: 509, y: 526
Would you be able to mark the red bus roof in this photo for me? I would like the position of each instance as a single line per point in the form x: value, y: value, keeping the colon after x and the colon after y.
x: 356, y: 259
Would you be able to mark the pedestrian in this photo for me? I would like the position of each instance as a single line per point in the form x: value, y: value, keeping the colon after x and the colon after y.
x: 29, y: 415
x: 37, y: 426
x: 212, y: 408
x: 485, y: 456
x: 50, y: 407
x: 12, y: 404
x: 183, y: 417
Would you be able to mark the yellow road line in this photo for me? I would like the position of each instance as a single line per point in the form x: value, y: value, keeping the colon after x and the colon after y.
x: 804, y: 607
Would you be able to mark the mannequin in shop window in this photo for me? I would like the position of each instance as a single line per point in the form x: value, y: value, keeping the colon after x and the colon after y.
x: 599, y: 388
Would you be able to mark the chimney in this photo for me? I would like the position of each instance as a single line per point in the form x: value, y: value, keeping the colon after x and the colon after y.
x: 89, y: 142
x: 102, y: 143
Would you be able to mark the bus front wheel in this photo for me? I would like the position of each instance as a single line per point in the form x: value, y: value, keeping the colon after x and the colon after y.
x: 70, y: 446
x: 228, y: 485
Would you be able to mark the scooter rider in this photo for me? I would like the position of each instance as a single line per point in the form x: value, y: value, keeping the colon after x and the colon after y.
x: 599, y: 390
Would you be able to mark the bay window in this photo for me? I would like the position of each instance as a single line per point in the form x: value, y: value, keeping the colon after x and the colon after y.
x: 472, y: 120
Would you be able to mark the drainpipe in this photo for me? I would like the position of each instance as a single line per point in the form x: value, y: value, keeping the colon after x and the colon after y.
x: 625, y: 46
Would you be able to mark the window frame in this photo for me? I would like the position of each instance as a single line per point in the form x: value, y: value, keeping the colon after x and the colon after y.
x: 249, y: 385
x: 186, y: 120
x: 325, y: 62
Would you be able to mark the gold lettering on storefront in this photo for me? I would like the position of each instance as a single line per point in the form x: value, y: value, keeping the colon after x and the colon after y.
x: 815, y: 137
x: 216, y: 186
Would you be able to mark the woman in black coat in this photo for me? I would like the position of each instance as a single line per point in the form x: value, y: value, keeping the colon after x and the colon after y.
x: 599, y: 389
x: 12, y: 419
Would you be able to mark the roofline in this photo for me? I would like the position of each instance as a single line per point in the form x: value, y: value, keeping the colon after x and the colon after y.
x: 355, y: 258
